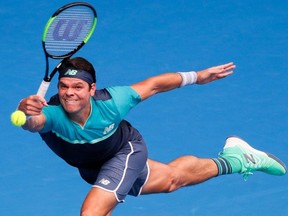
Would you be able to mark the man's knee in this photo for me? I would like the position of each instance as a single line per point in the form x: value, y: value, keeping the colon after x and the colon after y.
x: 88, y: 212
x: 98, y: 203
x: 174, y: 180
x: 85, y: 212
x: 93, y: 212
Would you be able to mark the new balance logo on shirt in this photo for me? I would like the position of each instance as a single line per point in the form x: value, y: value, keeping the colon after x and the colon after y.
x: 108, y: 129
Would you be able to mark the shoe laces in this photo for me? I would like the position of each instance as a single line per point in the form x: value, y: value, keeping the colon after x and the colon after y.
x: 246, y: 174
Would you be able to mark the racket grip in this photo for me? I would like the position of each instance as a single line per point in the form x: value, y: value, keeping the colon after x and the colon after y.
x: 43, y: 88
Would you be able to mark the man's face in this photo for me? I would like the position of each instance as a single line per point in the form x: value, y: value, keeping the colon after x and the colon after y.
x: 74, y: 95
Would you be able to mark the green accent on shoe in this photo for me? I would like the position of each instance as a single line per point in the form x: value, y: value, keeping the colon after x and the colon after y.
x: 250, y: 159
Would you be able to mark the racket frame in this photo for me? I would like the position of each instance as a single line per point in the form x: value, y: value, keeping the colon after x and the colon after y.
x: 48, y: 77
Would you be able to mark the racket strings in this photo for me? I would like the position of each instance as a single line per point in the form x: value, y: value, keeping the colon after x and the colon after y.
x: 68, y: 30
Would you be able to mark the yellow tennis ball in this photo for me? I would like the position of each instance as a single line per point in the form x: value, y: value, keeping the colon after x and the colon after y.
x: 18, y: 118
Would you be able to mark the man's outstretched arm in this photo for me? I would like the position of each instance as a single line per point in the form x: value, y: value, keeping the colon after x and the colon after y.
x: 170, y: 81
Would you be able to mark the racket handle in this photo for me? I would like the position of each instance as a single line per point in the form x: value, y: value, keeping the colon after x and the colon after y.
x: 43, y: 88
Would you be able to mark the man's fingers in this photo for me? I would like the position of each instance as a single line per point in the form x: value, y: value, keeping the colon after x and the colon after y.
x: 229, y: 66
x: 32, y: 105
x: 224, y: 74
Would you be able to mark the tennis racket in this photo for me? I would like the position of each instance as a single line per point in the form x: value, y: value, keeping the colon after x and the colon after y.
x: 67, y: 30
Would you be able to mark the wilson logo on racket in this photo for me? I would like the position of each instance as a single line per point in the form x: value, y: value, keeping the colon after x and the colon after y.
x: 68, y: 30
x: 71, y: 72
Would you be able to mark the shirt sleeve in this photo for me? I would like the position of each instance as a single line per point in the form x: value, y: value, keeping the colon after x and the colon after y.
x: 125, y: 98
x: 49, y: 112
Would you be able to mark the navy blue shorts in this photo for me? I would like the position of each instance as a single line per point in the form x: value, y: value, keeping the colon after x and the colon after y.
x: 125, y: 173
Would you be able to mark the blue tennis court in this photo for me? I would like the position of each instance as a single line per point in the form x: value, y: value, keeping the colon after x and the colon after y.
x: 132, y: 41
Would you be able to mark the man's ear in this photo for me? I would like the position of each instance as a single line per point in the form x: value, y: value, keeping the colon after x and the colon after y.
x: 92, y: 89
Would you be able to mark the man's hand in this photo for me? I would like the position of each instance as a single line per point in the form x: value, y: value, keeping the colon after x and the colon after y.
x: 215, y: 73
x: 32, y: 105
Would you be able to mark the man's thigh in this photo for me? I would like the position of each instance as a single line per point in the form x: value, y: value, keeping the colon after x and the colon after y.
x: 99, y: 202
x: 160, y: 178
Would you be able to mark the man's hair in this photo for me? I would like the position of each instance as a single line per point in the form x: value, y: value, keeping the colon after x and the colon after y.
x: 79, y: 63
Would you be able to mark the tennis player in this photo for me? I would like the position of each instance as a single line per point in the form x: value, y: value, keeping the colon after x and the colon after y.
x: 86, y: 127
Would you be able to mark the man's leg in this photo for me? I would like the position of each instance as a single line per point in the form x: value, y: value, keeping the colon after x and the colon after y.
x: 114, y: 180
x: 98, y: 202
x: 236, y: 157
x: 183, y: 171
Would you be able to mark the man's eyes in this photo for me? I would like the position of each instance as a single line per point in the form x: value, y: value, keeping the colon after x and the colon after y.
x: 78, y: 87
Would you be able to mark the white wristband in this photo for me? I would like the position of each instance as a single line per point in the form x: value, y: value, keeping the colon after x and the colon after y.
x: 188, y: 78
